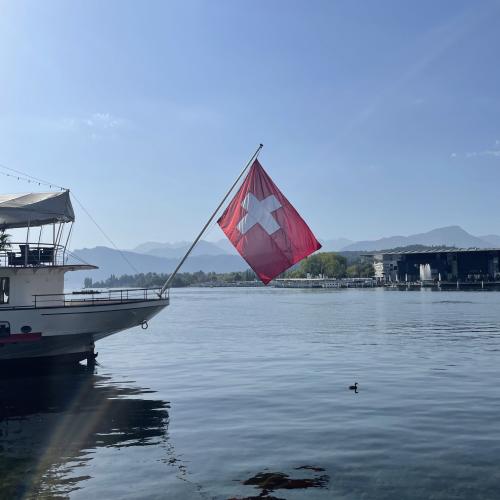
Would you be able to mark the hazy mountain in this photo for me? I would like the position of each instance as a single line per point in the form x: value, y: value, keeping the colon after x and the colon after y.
x: 227, y: 246
x: 110, y: 261
x: 453, y: 236
x: 491, y: 240
x: 220, y: 247
x: 151, y: 245
x: 177, y: 250
x: 335, y: 245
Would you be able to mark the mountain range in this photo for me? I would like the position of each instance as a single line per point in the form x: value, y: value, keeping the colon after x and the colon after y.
x: 220, y: 256
x: 453, y: 236
x: 177, y: 250
x: 118, y: 262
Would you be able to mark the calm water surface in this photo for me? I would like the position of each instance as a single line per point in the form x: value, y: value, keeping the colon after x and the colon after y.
x: 242, y: 393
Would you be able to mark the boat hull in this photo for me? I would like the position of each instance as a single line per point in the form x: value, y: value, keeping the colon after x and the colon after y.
x: 69, y: 332
x: 55, y: 350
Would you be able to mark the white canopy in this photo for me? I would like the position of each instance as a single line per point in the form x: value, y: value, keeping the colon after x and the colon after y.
x: 35, y: 209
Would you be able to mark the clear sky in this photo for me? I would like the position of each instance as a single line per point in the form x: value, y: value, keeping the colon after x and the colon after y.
x: 378, y: 117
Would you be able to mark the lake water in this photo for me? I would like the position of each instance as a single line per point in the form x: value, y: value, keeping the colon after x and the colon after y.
x: 243, y: 393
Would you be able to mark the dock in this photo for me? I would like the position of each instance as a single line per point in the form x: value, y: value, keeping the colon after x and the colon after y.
x: 324, y: 283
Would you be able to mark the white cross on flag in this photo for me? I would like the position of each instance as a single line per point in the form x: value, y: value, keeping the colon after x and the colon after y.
x: 265, y: 228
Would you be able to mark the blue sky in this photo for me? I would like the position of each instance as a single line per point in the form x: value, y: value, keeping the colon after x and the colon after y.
x: 378, y: 117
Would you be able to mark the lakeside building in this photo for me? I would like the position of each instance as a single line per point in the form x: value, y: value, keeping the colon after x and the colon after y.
x: 441, y: 265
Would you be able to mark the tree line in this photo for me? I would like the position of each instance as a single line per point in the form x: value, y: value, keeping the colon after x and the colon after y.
x: 327, y: 264
x: 153, y: 280
x: 332, y: 265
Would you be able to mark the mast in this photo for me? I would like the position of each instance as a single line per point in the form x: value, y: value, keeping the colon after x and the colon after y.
x: 172, y: 276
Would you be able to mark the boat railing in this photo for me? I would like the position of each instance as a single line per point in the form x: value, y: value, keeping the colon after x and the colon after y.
x: 98, y: 297
x: 32, y: 254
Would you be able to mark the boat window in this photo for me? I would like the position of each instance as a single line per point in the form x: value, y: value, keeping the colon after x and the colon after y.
x: 4, y: 290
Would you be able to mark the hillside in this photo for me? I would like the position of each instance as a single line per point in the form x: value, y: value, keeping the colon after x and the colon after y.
x: 111, y: 261
x: 220, y: 256
x: 453, y: 236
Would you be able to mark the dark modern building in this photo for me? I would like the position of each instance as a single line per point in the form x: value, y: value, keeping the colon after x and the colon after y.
x: 472, y: 265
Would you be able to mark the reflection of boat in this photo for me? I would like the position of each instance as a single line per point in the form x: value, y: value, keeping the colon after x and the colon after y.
x: 37, y: 319
x: 50, y: 426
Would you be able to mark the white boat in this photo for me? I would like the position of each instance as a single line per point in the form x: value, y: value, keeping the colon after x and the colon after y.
x: 38, y: 321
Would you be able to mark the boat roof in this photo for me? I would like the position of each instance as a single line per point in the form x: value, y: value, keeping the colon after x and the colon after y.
x: 35, y: 209
x: 10, y: 270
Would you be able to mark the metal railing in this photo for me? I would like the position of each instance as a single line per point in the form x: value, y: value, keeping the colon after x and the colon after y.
x: 22, y: 254
x: 96, y: 297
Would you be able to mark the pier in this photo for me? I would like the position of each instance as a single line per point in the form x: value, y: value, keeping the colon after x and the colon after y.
x: 324, y: 283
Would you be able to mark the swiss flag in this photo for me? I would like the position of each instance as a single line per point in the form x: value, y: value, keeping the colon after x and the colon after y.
x: 265, y: 228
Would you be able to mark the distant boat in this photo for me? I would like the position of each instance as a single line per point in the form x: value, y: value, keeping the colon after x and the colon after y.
x: 38, y: 320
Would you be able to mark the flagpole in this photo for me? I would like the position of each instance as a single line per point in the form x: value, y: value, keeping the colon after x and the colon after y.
x: 172, y: 276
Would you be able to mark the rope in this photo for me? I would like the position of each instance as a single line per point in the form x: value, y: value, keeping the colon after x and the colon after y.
x: 124, y: 257
x: 22, y: 176
x: 79, y: 259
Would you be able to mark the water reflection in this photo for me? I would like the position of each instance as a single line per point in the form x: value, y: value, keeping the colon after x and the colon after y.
x: 51, y: 423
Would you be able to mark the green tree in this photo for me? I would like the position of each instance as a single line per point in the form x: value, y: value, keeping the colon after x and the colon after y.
x: 361, y: 269
x: 328, y: 264
x: 4, y: 240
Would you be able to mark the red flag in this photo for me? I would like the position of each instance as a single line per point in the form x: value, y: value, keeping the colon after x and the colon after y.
x: 265, y: 228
